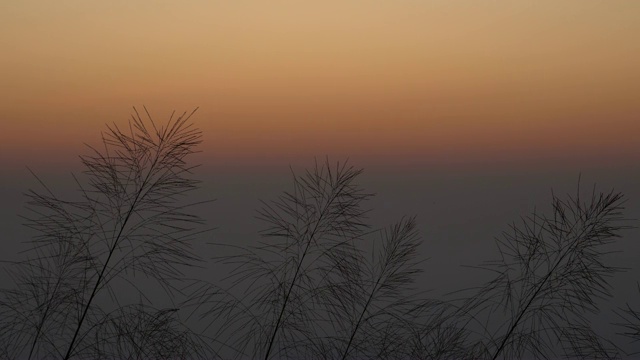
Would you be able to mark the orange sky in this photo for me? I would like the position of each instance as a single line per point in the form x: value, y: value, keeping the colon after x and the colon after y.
x: 429, y: 80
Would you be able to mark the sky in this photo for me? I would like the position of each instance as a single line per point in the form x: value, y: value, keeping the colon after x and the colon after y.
x: 466, y: 113
x: 384, y: 82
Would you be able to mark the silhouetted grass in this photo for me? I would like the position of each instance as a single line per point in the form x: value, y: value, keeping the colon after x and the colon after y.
x: 309, y: 289
x: 129, y: 221
x: 321, y: 283
x: 630, y: 323
x: 550, y: 276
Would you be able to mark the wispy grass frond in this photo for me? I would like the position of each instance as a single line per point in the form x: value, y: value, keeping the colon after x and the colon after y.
x: 309, y: 230
x: 550, y: 276
x: 375, y: 318
x: 129, y: 219
x: 142, y: 332
x: 309, y: 289
x: 629, y: 323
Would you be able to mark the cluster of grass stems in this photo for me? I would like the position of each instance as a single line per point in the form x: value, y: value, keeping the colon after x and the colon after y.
x: 322, y: 283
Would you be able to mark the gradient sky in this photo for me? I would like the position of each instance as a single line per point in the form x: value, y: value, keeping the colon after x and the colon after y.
x: 507, y: 98
x: 276, y: 81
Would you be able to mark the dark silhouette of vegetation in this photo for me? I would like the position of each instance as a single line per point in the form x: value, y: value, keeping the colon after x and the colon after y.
x: 128, y: 222
x: 309, y: 290
x: 549, y: 278
x: 630, y: 323
x: 321, y: 283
